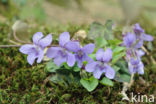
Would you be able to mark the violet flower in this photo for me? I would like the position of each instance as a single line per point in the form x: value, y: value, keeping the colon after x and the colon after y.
x: 62, y: 53
x: 141, y: 36
x: 133, y: 54
x: 81, y: 54
x: 133, y: 42
x: 36, y: 50
x: 101, y: 65
x: 135, y: 66
x: 129, y: 40
x: 137, y: 29
x: 137, y: 39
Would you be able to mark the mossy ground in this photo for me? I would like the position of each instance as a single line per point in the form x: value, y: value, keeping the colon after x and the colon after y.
x: 21, y: 83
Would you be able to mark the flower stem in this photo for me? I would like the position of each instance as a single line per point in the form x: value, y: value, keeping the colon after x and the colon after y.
x: 8, y: 46
x: 126, y: 86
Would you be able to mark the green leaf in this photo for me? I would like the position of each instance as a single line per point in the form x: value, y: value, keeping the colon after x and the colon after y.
x: 96, y: 30
x: 108, y: 33
x: 63, y: 75
x: 100, y: 42
x: 118, y: 53
x: 123, y: 66
x: 114, y: 42
x: 56, y: 79
x: 51, y: 67
x: 107, y: 82
x: 116, y: 68
x: 76, y: 69
x: 99, y: 30
x: 90, y: 84
x: 118, y: 56
x: 118, y: 49
x: 66, y: 66
x: 122, y: 77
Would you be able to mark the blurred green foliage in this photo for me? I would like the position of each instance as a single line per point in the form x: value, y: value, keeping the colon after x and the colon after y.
x: 23, y: 9
x: 66, y: 3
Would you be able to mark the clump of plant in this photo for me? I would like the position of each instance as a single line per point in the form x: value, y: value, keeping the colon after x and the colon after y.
x: 101, y: 62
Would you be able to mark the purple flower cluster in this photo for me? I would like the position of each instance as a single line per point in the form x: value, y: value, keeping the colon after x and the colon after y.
x: 101, y: 65
x: 133, y: 42
x: 70, y: 52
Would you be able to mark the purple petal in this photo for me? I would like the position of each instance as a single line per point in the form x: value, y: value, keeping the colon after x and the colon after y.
x: 99, y: 54
x: 138, y: 29
x: 53, y: 52
x: 72, y: 46
x: 139, y: 44
x: 90, y: 67
x: 136, y: 68
x: 140, y: 53
x: 141, y: 68
x: 97, y: 73
x: 89, y: 48
x: 45, y: 41
x: 147, y: 37
x: 110, y: 72
x: 70, y: 59
x: 25, y: 49
x: 129, y: 39
x: 79, y: 62
x: 64, y: 38
x: 31, y: 58
x: 131, y: 68
x: 40, y: 56
x: 59, y: 60
x: 107, y: 55
x: 88, y: 59
x: 134, y: 61
x: 37, y: 36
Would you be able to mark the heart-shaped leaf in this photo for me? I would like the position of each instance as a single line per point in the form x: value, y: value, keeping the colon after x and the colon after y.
x: 90, y: 84
x: 99, y: 30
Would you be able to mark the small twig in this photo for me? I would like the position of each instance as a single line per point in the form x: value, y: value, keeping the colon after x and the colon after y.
x: 144, y: 49
x: 13, y: 42
x: 109, y: 91
x: 131, y: 81
x: 126, y: 86
x: 148, y: 53
x: 17, y: 39
x: 8, y: 46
